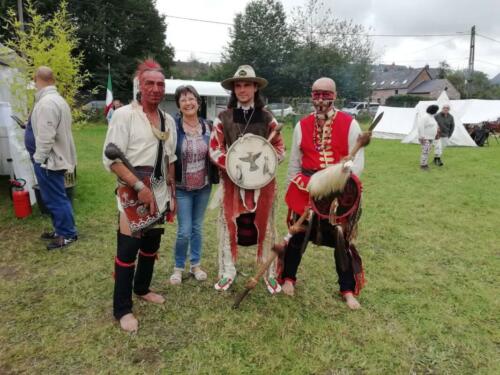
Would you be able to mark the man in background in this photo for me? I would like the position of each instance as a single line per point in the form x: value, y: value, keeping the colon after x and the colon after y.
x: 446, y: 125
x: 54, y: 154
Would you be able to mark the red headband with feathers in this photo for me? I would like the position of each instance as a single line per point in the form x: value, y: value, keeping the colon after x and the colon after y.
x: 148, y: 65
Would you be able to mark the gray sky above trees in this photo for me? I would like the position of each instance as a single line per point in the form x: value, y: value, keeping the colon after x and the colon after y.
x: 205, y: 41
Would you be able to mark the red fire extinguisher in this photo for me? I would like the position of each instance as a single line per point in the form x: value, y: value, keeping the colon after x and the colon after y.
x: 20, y: 198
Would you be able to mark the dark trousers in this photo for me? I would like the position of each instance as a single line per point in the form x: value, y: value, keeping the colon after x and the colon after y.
x: 54, y: 197
x: 293, y: 256
x: 130, y: 277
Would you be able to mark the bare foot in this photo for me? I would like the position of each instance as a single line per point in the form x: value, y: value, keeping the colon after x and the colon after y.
x: 153, y: 298
x: 288, y: 288
x: 129, y: 323
x: 351, y: 301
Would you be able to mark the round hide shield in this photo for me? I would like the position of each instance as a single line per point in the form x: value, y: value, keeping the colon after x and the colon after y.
x: 339, y: 205
x: 251, y: 162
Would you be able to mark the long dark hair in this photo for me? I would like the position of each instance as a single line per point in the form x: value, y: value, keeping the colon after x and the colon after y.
x: 258, y: 102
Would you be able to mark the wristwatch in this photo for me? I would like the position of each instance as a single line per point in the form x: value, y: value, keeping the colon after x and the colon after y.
x: 138, y: 186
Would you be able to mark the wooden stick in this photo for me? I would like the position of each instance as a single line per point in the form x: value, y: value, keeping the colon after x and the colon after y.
x: 252, y: 282
x: 277, y: 249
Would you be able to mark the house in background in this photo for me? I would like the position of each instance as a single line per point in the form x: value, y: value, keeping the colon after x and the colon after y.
x: 389, y: 80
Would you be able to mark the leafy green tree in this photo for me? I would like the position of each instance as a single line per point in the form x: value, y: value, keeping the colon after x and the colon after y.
x: 477, y: 86
x: 444, y: 69
x: 47, y: 41
x: 329, y: 46
x: 261, y: 38
x: 118, y: 32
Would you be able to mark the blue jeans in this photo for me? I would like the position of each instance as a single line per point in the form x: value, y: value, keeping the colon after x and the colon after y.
x: 53, y: 192
x: 191, y: 207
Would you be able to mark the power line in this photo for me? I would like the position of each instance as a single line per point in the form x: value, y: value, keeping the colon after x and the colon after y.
x: 199, y: 20
x: 437, y: 44
x: 487, y: 37
x: 487, y: 62
x: 347, y: 34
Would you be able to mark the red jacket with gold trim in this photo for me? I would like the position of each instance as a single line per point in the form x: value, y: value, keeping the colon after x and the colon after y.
x: 320, y: 147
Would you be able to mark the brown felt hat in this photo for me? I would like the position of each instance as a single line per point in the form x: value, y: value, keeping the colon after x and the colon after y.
x: 244, y: 73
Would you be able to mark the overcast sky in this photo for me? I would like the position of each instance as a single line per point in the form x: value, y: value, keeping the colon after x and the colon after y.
x: 206, y: 41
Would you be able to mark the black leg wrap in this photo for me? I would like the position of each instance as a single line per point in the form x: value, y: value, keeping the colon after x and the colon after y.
x: 150, y: 243
x: 339, y: 252
x: 127, y: 248
x: 293, y: 256
x: 346, y: 275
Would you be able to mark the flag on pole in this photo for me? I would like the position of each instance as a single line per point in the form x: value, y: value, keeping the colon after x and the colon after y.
x: 109, y: 94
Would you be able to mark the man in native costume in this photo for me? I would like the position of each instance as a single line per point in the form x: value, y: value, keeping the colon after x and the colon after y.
x: 145, y: 138
x: 247, y: 215
x: 322, y: 139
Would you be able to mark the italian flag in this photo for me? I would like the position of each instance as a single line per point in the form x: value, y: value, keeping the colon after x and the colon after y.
x: 109, y: 94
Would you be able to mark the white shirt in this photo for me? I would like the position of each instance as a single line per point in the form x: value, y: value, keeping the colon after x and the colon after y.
x: 131, y: 131
x: 295, y: 163
x: 427, y: 127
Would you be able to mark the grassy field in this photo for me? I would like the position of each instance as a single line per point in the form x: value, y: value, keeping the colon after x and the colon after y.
x: 430, y: 244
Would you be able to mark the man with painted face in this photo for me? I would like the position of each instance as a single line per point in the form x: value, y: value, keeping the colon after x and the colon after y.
x: 323, y: 138
x: 147, y: 137
x: 247, y: 216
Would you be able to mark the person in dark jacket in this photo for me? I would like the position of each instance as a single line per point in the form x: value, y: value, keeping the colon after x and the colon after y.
x: 194, y: 174
x: 446, y: 125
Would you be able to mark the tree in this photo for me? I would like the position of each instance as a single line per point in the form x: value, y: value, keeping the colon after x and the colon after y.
x: 118, y: 32
x: 444, y: 69
x: 328, y: 46
x: 477, y: 86
x: 261, y: 38
x: 47, y: 41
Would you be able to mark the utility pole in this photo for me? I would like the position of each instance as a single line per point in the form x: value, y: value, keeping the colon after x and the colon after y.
x: 20, y: 14
x: 471, y: 58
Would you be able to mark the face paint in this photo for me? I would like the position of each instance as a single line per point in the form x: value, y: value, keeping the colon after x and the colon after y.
x: 322, y: 101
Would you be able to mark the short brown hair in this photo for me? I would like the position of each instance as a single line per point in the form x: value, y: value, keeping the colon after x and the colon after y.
x: 184, y: 90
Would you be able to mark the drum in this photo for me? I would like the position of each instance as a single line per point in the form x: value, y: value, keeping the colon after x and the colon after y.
x: 251, y: 162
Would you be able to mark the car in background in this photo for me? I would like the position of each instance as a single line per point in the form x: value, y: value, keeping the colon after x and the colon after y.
x: 357, y: 108
x: 373, y: 108
x: 304, y: 108
x: 94, y: 106
x: 280, y: 109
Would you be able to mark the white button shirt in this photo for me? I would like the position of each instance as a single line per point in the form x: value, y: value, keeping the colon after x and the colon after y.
x: 131, y: 131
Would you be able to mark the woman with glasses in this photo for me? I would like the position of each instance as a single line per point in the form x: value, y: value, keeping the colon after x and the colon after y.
x: 194, y: 175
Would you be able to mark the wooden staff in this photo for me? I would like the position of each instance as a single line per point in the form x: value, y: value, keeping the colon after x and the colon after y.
x: 277, y: 250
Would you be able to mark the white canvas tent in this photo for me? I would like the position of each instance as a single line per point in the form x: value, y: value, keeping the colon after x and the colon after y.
x: 469, y: 111
x: 396, y: 123
x: 400, y: 123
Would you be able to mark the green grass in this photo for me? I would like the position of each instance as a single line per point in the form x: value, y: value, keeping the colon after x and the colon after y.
x: 429, y: 241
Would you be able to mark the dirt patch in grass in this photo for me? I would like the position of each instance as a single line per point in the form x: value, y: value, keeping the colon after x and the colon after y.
x: 9, y: 274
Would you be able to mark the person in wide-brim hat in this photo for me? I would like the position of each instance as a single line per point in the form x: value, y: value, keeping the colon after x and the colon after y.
x: 244, y: 73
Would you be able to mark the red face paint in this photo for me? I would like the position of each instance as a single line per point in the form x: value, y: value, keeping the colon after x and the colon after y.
x: 325, y: 95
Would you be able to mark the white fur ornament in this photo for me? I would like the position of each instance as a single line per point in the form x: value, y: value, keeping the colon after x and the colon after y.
x: 329, y: 180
